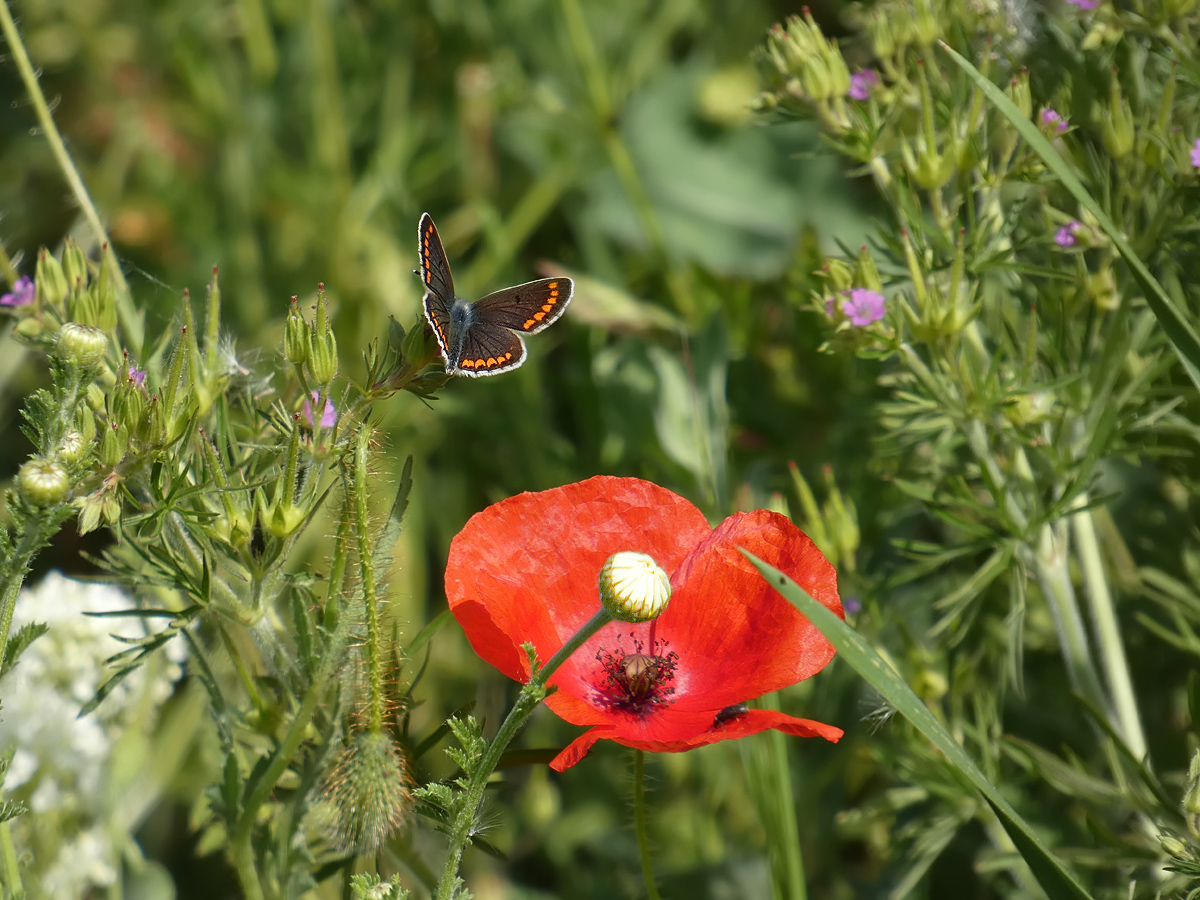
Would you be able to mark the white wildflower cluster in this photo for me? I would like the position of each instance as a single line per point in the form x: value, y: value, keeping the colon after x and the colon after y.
x: 70, y: 840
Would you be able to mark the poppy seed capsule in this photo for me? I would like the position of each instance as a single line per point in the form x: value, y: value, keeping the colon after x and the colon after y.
x: 633, y: 588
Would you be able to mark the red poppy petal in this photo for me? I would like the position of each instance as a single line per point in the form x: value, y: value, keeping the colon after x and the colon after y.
x: 525, y: 569
x: 577, y: 749
x: 750, y: 722
x: 736, y: 636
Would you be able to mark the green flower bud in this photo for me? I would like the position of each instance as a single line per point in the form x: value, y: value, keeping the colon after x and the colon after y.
x: 30, y: 327
x: 816, y: 79
x: 633, y: 588
x: 81, y: 345
x: 51, y: 281
x: 366, y: 795
x: 865, y: 273
x: 1172, y: 846
x: 928, y: 168
x: 1102, y: 288
x: 323, y: 345
x: 838, y: 275
x: 420, y: 346
x: 153, y: 428
x: 883, y: 41
x: 925, y: 26
x: 72, y: 448
x: 43, y: 482
x: 74, y: 266
x: 296, y: 336
x: 1019, y: 93
x: 113, y: 444
x: 1117, y: 121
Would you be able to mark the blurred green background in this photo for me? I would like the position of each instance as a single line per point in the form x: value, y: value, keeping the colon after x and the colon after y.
x: 292, y: 142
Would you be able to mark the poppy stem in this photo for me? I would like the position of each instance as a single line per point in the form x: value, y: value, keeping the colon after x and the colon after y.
x: 639, y: 818
x: 527, y: 701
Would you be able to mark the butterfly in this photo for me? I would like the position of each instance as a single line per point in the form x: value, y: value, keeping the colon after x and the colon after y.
x: 484, y: 337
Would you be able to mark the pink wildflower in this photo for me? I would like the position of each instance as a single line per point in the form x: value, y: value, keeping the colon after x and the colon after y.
x: 862, y: 83
x: 22, y: 293
x: 864, y: 307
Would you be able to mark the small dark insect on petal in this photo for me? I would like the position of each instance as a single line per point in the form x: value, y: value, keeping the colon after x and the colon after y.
x: 728, y: 713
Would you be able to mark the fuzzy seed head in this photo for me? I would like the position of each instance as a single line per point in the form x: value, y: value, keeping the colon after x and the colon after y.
x: 633, y: 587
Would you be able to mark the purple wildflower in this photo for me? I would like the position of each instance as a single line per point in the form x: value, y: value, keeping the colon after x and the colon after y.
x: 22, y: 293
x: 1052, y: 120
x: 852, y: 605
x: 1085, y: 4
x: 328, y: 417
x: 1065, y: 236
x: 137, y: 376
x: 1195, y: 160
x: 863, y: 307
x: 862, y: 83
x: 830, y: 307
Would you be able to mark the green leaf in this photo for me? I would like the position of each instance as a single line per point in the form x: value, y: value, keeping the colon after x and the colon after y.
x: 1178, y: 329
x: 1058, y: 883
x: 381, y: 553
x: 17, y: 644
x: 10, y: 809
x: 426, y: 633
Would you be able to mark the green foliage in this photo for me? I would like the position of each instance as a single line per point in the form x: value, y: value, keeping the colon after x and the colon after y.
x: 1002, y: 467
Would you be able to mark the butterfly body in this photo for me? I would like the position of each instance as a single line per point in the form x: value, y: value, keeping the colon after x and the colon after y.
x: 484, y: 337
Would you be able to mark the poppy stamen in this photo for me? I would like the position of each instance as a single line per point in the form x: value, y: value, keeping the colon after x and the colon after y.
x: 637, y: 682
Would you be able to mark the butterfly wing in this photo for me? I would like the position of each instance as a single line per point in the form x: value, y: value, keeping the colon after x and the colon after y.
x: 527, y: 308
x: 488, y: 349
x: 439, y: 284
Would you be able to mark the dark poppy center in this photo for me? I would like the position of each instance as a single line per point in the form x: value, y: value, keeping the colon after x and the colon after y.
x: 637, y: 681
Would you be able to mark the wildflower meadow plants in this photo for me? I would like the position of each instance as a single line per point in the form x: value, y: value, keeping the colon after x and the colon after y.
x: 1038, y: 341
x: 988, y: 605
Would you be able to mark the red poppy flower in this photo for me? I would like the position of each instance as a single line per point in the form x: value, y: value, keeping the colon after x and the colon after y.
x: 525, y: 570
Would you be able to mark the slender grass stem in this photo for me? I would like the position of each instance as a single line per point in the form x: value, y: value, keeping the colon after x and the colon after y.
x: 618, y: 152
x: 1107, y: 631
x: 639, y: 818
x: 130, y: 321
x: 1054, y: 576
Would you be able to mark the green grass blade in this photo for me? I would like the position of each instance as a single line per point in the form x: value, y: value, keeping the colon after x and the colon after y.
x: 1180, y: 332
x: 1054, y: 878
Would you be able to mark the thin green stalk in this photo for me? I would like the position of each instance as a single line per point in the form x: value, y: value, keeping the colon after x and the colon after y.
x: 129, y: 319
x: 531, y: 695
x: 1054, y: 576
x: 639, y: 818
x: 12, y: 872
x: 618, y: 153
x: 1108, y: 631
x: 765, y: 759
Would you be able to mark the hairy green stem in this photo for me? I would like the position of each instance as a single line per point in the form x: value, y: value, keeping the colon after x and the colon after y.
x: 639, y: 818
x: 367, y: 567
x: 129, y: 319
x: 1107, y: 631
x: 531, y: 695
